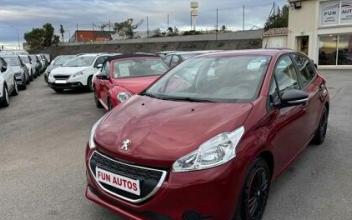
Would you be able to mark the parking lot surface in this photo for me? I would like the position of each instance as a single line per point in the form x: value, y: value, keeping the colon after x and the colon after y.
x: 42, y: 143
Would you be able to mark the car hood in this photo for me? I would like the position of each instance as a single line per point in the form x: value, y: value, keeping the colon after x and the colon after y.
x: 136, y: 84
x: 162, y: 131
x: 68, y: 70
x: 15, y: 69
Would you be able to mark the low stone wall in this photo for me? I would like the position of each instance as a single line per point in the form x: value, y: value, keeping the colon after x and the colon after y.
x: 226, y: 41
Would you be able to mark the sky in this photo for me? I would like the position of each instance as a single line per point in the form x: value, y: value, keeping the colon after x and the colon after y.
x: 20, y: 16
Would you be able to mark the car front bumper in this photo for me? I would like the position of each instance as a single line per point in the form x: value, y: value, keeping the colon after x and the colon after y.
x: 206, y: 194
x: 74, y: 85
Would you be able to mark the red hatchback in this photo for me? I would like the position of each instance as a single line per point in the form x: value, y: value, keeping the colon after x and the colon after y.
x: 207, y: 139
x: 124, y: 75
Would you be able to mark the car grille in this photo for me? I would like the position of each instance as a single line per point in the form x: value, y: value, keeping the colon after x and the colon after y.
x: 150, y: 179
x: 62, y: 77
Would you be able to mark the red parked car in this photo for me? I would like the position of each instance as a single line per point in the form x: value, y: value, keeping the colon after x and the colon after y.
x: 207, y: 139
x: 124, y: 75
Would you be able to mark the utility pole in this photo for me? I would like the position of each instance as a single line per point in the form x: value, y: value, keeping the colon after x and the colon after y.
x: 217, y: 23
x: 77, y: 33
x: 168, y: 21
x: 147, y: 26
x: 243, y: 17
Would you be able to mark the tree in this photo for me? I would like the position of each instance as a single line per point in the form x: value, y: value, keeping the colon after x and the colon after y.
x: 40, y: 38
x: 126, y: 28
x: 62, y: 32
x: 278, y: 19
x: 223, y: 28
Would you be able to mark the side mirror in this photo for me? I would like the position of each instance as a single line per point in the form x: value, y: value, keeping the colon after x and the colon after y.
x: 293, y: 97
x: 99, y: 66
x: 3, y: 68
x: 102, y: 77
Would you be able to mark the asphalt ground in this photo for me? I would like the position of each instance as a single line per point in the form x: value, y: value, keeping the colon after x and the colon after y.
x: 42, y: 173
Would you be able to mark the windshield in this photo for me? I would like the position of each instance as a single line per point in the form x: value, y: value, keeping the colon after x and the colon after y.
x: 136, y: 67
x: 62, y: 60
x: 217, y: 79
x: 80, y: 61
x: 25, y: 59
x: 12, y: 61
x: 190, y: 55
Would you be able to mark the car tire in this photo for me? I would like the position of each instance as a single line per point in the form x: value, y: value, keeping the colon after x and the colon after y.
x: 110, y: 107
x: 15, y: 89
x: 255, y: 192
x: 97, y: 102
x: 59, y: 90
x: 24, y: 85
x: 5, y: 99
x: 320, y: 133
x: 90, y: 84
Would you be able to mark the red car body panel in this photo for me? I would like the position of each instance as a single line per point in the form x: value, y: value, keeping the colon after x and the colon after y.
x: 162, y: 131
x: 170, y: 140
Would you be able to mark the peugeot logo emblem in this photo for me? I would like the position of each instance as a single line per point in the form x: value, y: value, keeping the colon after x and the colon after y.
x: 125, y: 145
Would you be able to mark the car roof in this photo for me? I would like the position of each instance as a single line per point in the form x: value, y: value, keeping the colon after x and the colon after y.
x: 264, y: 52
x: 124, y: 56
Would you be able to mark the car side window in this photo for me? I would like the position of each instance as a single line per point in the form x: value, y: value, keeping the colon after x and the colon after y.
x: 100, y: 60
x: 2, y: 62
x: 306, y: 69
x: 106, y: 69
x: 285, y: 74
x: 273, y: 93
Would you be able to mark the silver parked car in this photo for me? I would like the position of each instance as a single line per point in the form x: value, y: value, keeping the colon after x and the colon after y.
x: 8, y: 84
x: 20, y: 70
x: 36, y: 63
x: 27, y: 62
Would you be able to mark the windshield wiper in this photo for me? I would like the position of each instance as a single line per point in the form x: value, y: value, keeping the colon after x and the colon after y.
x: 188, y: 99
x: 176, y: 98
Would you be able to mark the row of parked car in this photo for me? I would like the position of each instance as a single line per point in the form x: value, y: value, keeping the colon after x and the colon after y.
x: 194, y: 130
x: 113, y: 77
x: 17, y: 71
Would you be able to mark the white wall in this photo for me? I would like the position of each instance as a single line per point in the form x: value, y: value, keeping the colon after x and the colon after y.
x: 304, y: 22
x: 275, y: 42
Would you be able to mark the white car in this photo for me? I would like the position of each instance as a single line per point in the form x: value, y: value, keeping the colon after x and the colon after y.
x: 8, y: 84
x: 77, y: 72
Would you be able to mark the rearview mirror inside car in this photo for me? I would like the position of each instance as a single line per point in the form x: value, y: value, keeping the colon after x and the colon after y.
x: 293, y: 97
x: 99, y: 66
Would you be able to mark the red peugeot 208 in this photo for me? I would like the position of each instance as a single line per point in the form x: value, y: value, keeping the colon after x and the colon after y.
x: 206, y: 140
x: 122, y: 76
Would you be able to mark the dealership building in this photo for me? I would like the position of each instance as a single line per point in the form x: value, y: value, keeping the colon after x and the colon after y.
x: 323, y: 30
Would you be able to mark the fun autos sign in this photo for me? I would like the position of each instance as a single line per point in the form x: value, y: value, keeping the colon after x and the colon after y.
x: 346, y: 12
x: 330, y: 13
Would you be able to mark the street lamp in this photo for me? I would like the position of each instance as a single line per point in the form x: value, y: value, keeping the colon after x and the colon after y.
x: 18, y: 36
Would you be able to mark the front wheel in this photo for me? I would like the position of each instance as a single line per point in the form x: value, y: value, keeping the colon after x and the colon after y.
x: 15, y: 89
x: 320, y: 134
x: 90, y: 84
x: 255, y: 192
x: 5, y: 100
x: 97, y: 102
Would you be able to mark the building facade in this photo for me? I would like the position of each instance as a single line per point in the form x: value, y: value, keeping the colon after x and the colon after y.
x: 323, y: 30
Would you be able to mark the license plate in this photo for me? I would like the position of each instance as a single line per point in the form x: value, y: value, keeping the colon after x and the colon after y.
x: 60, y: 81
x: 117, y: 181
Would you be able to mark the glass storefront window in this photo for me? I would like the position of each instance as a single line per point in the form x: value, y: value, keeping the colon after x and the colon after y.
x: 327, y: 49
x: 345, y: 50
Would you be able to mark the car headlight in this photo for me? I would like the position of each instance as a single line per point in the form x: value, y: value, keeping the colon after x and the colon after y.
x: 91, y: 142
x: 77, y: 74
x: 214, y: 152
x: 123, y: 96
